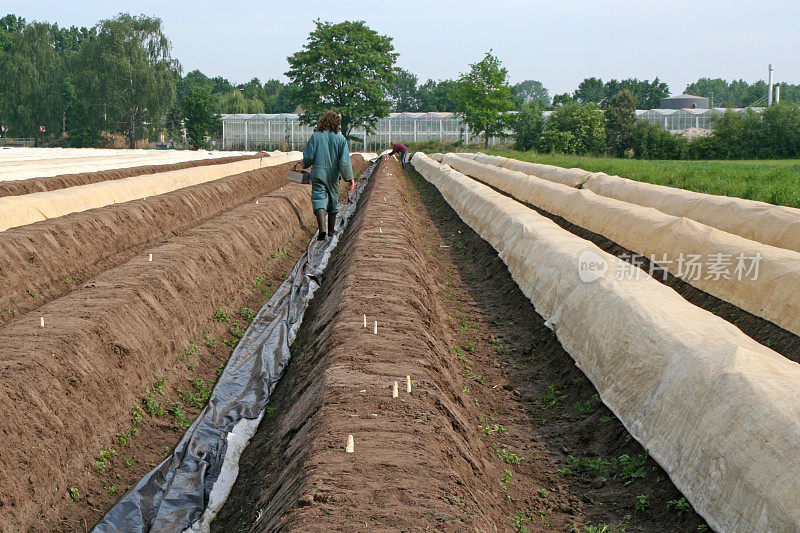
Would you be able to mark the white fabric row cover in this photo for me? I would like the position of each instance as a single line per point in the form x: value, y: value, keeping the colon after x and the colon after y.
x: 35, y: 207
x: 718, y: 411
x: 760, y: 279
x: 759, y: 221
x: 573, y: 177
x: 12, y: 169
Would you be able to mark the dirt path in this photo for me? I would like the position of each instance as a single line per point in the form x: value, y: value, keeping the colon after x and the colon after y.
x: 486, y: 439
x: 20, y: 187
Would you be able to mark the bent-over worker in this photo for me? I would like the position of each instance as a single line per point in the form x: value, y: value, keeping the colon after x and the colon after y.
x: 328, y: 155
x: 401, y: 149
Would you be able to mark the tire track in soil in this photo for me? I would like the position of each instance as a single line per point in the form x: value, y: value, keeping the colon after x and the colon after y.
x: 68, y: 388
x: 52, y: 183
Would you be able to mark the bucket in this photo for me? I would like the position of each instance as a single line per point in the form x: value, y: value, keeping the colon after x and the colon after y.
x: 298, y: 176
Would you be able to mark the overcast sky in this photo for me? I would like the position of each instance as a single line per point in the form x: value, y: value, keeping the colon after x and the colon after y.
x: 556, y: 42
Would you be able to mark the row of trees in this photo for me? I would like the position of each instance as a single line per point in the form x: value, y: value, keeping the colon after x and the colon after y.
x: 586, y: 129
x: 119, y: 77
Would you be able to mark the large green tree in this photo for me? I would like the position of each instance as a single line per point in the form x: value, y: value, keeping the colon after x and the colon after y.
x: 128, y: 75
x: 483, y: 96
x: 347, y: 67
x: 590, y: 91
x: 31, y: 78
x: 198, y: 116
x: 620, y: 115
x: 437, y: 96
x: 530, y: 91
x: 403, y: 92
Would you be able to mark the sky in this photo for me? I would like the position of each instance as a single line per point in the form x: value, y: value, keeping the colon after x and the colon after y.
x: 556, y: 42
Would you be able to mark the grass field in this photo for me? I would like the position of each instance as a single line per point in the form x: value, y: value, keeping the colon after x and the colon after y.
x: 773, y: 181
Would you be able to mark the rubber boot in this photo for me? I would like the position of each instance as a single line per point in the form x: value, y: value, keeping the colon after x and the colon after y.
x: 331, y: 224
x: 320, y: 214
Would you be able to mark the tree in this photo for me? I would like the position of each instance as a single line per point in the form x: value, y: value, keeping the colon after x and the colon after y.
x: 590, y: 91
x: 31, y: 84
x: 562, y: 99
x: 583, y: 123
x: 198, y: 116
x: 528, y: 126
x: 483, y: 96
x: 346, y: 67
x: 529, y: 91
x: 403, y: 92
x: 128, y: 76
x: 437, y: 96
x: 620, y: 115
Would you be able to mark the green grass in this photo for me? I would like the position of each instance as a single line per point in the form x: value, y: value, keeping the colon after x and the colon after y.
x: 776, y: 181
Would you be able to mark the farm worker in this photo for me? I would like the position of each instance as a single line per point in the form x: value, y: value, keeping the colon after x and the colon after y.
x: 401, y: 149
x: 328, y: 155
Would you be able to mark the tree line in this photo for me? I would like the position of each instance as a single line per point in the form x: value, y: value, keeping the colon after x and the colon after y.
x: 119, y: 77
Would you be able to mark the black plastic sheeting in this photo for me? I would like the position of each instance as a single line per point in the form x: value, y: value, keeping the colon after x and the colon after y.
x: 174, y: 495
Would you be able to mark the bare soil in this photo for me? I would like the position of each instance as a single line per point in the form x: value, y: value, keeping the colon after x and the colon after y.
x: 52, y: 183
x: 47, y: 259
x: 88, y: 403
x: 501, y: 431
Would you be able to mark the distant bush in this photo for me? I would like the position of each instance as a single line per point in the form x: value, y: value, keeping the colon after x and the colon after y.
x: 585, y: 125
x: 528, y: 126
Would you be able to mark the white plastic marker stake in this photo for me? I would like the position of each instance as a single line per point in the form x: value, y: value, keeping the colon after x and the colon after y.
x: 256, y: 202
x: 150, y: 259
x: 351, y: 444
x: 395, y: 390
x: 365, y: 320
x: 375, y: 331
x: 41, y: 319
x: 381, y: 229
x: 408, y: 384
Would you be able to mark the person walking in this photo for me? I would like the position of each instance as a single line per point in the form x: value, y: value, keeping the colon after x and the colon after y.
x: 328, y: 155
x: 401, y: 149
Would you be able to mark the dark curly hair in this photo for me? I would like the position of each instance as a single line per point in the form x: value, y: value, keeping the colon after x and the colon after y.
x: 331, y: 120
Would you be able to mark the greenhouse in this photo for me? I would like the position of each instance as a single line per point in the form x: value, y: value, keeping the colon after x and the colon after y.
x: 284, y: 131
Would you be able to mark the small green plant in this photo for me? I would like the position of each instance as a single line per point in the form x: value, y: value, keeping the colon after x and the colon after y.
x: 237, y: 332
x: 159, y: 386
x: 502, y: 350
x: 587, y: 407
x: 123, y: 438
x: 103, y: 461
x: 606, y: 419
x: 220, y: 369
x: 152, y: 405
x: 112, y: 489
x: 681, y: 507
x: 176, y: 410
x: 74, y: 494
x: 552, y: 396
x: 543, y: 493
x: 505, y: 481
x: 221, y: 315
x: 519, y: 519
x: 702, y: 527
x: 493, y: 428
x: 270, y: 410
x: 32, y: 294
x: 508, y: 457
x: 468, y: 373
x: 129, y: 461
x: 642, y: 503
x: 137, y: 413
x: 246, y: 313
